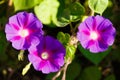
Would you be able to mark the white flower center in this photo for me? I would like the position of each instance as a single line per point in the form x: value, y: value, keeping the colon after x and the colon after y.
x: 44, y: 55
x: 23, y: 33
x: 93, y: 35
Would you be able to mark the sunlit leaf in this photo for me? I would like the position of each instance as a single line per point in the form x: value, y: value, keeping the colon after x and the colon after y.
x: 54, y: 13
x: 96, y: 58
x: 46, y: 11
x: 70, y: 52
x: 63, y: 38
x: 70, y: 49
x: 25, y: 4
x: 98, y: 6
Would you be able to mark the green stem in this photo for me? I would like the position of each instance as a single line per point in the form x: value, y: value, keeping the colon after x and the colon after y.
x: 58, y: 74
x: 71, y: 27
x: 64, y: 72
x: 9, y: 8
x: 92, y: 13
x: 65, y: 68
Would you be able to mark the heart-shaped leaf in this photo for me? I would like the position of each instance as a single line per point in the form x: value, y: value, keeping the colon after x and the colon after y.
x: 70, y: 14
x: 98, y: 6
x: 91, y: 73
x: 96, y: 58
x: 63, y: 38
x: 53, y: 12
x: 25, y: 4
x: 70, y: 52
x: 47, y: 10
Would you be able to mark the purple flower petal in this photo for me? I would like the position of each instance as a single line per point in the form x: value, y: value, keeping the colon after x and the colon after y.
x: 22, y: 19
x: 9, y: 28
x: 105, y: 24
x: 83, y: 38
x: 33, y: 21
x: 94, y: 48
x: 83, y: 26
x: 53, y: 42
x: 51, y: 52
x: 35, y: 60
x: 99, y: 20
x: 102, y: 45
x: 59, y: 59
x: 23, y: 28
x: 45, y: 67
x: 14, y: 21
x: 89, y: 23
x: 18, y: 44
x: 48, y: 67
x: 111, y: 31
x: 96, y: 34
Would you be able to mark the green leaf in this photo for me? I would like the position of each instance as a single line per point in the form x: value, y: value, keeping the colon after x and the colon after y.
x: 73, y: 71
x: 70, y: 52
x: 76, y: 11
x: 110, y: 77
x: 70, y: 14
x: 98, y: 6
x: 53, y: 12
x: 91, y: 73
x: 67, y: 38
x: 26, y: 68
x: 96, y: 58
x: 47, y: 10
x: 3, y: 45
x: 70, y: 49
x: 115, y: 56
x: 63, y: 38
x: 25, y: 4
x: 3, y: 21
x: 68, y: 2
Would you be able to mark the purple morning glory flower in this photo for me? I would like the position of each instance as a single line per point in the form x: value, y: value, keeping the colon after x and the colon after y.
x: 96, y: 34
x: 48, y: 55
x: 23, y: 29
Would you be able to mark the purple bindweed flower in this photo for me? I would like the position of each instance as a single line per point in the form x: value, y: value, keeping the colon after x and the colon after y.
x: 23, y: 29
x: 96, y: 34
x: 48, y: 55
